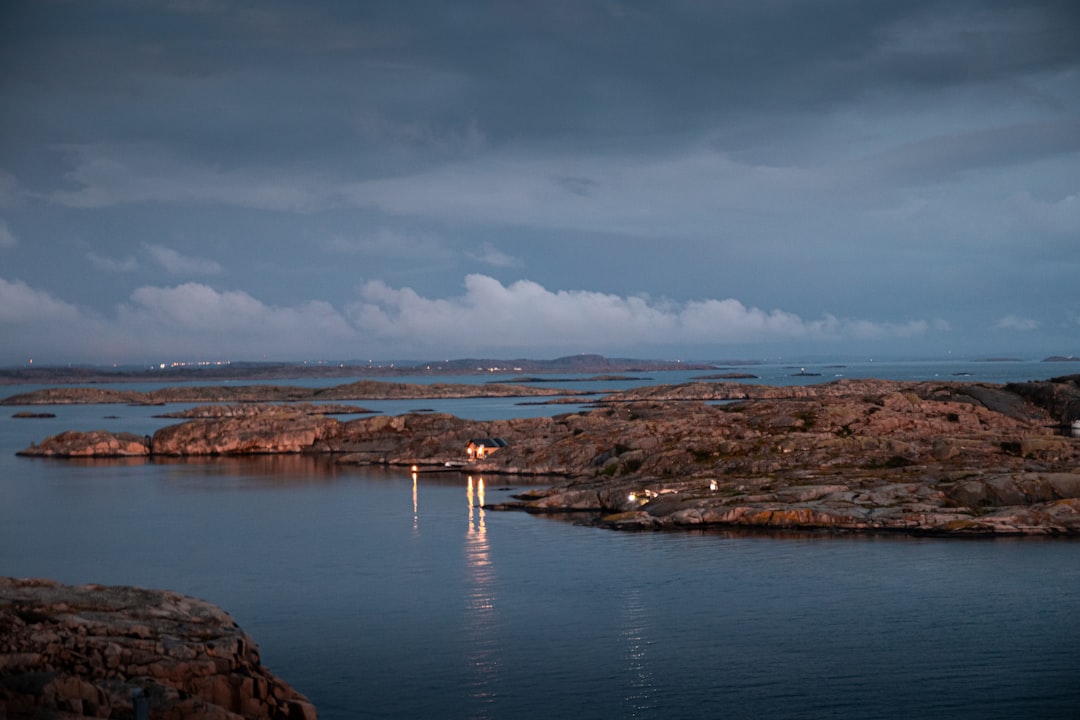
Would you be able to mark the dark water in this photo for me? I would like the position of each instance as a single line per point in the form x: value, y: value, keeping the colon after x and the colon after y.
x: 379, y: 597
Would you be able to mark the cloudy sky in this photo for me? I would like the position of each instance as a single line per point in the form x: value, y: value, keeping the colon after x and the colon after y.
x: 411, y: 179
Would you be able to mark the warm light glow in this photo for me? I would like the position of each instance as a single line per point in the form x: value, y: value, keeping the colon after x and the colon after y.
x: 414, y: 469
x: 481, y: 621
x: 712, y: 485
x: 415, y: 503
x: 632, y: 497
x: 476, y: 505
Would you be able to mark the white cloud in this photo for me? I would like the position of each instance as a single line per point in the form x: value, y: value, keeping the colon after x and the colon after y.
x: 177, y: 264
x: 36, y: 325
x: 21, y: 304
x: 7, y: 238
x: 193, y: 308
x: 195, y: 321
x: 189, y: 321
x: 524, y: 315
x: 1016, y: 322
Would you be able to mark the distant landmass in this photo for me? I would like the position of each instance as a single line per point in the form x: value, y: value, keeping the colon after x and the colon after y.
x: 201, y: 372
x: 251, y: 370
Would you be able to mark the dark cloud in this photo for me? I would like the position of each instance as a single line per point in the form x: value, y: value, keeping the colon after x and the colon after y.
x: 809, y: 155
x: 276, y: 81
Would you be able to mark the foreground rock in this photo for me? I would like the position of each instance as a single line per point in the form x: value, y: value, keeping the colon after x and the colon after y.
x: 87, y: 651
x: 859, y: 455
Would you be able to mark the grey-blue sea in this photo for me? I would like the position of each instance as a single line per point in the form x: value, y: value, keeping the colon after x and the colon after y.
x: 383, y: 597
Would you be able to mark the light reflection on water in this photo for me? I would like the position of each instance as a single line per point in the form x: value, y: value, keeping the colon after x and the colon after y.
x: 384, y: 594
x: 640, y: 700
x: 482, y: 631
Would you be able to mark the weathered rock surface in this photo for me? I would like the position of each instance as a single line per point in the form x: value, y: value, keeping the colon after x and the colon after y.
x: 362, y: 390
x: 95, y: 443
x: 851, y: 454
x: 275, y: 431
x: 1060, y: 396
x: 83, y: 651
x: 254, y: 409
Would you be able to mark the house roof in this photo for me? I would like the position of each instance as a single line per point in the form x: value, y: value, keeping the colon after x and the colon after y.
x: 488, y: 442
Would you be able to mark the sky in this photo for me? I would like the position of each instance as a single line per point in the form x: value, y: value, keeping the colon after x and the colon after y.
x: 207, y: 180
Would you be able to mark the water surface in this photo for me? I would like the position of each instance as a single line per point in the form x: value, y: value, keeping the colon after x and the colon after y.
x: 383, y: 597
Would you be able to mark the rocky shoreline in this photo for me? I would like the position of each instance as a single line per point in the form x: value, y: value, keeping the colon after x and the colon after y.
x: 95, y: 651
x: 948, y: 458
x: 360, y: 390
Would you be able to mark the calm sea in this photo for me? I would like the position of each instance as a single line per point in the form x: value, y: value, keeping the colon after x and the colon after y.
x: 383, y: 596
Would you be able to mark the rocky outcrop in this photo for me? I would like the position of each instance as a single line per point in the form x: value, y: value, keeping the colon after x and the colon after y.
x: 362, y: 390
x: 253, y: 410
x: 96, y: 443
x: 852, y: 454
x: 95, y: 651
x: 276, y: 431
x: 1059, y: 396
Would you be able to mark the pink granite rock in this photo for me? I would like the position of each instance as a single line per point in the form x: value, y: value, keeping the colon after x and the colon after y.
x: 87, y: 651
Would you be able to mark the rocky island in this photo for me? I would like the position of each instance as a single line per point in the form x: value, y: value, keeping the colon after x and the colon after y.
x: 360, y: 390
x: 850, y: 455
x: 121, y: 652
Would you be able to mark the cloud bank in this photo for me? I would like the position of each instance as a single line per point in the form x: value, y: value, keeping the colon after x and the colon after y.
x: 525, y: 315
x: 195, y: 321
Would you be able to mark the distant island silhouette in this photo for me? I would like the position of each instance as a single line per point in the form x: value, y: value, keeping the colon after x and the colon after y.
x: 243, y: 370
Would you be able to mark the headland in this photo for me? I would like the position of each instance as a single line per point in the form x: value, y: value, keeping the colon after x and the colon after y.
x: 950, y: 458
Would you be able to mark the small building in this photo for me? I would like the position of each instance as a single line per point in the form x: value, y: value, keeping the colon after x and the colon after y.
x: 480, y: 448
